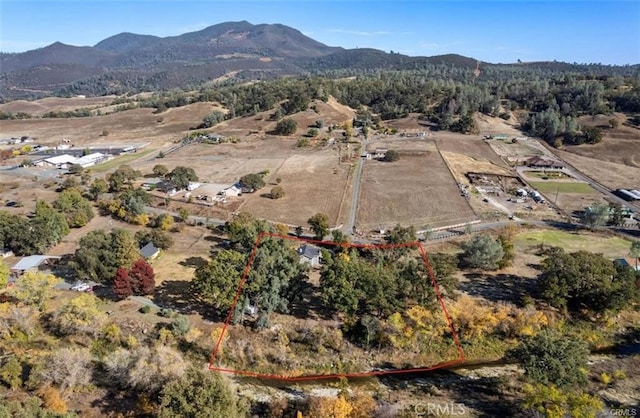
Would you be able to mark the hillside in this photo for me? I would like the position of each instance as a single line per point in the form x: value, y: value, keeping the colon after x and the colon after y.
x: 129, y: 62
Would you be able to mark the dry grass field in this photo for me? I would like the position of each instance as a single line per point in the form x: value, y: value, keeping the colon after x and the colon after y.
x: 55, y: 104
x: 416, y: 190
x: 311, y: 177
x: 610, y: 174
x: 131, y: 126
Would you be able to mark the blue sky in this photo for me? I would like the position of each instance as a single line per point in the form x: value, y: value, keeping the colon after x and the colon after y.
x: 498, y: 31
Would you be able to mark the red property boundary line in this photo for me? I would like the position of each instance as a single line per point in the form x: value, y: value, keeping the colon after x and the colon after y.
x: 245, y: 274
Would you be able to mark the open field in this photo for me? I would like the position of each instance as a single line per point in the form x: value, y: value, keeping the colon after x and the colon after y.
x: 136, y: 125
x: 473, y: 147
x: 612, y: 175
x: 312, y: 179
x: 611, y: 247
x: 551, y: 187
x: 121, y: 160
x: 416, y: 190
x: 55, y: 104
x: 620, y: 145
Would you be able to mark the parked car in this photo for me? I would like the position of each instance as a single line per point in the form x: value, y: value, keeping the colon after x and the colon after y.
x: 80, y: 287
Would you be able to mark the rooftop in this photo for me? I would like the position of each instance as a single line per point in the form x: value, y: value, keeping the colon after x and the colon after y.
x: 30, y: 262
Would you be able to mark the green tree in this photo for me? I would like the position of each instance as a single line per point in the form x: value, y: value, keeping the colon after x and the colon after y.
x: 286, y: 126
x: 482, y: 252
x: 122, y: 178
x: 77, y: 209
x: 34, y: 288
x: 211, y: 119
x: 596, y: 216
x: 585, y: 281
x: 401, y: 235
x: 553, y: 358
x: 76, y: 169
x: 124, y: 248
x: 48, y: 226
x: 299, y: 231
x: 94, y: 258
x: 158, y: 237
x: 182, y: 176
x: 275, y: 266
x: 277, y: 192
x: 11, y: 373
x: 391, y: 156
x: 160, y: 170
x: 252, y: 181
x: 183, y: 213
x: 200, y: 394
x: 508, y: 250
x: 319, y: 224
x: 217, y: 281
x: 98, y: 187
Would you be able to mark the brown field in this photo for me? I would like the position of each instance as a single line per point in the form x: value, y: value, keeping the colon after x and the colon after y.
x: 131, y: 126
x: 620, y: 145
x: 609, y: 174
x: 471, y: 146
x: 55, y: 104
x: 312, y: 179
x: 416, y: 190
x: 260, y: 124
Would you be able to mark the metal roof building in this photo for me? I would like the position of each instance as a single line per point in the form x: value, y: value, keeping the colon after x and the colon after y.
x: 31, y: 262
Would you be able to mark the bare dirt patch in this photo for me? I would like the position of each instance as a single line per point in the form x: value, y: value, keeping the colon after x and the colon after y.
x: 416, y: 190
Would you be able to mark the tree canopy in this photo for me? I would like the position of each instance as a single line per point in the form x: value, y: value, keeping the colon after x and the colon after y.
x: 583, y: 281
x: 552, y: 358
x: 319, y: 224
x: 181, y: 176
x: 217, y: 281
x: 482, y: 251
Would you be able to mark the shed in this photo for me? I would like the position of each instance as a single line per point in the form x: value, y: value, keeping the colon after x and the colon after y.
x: 309, y: 254
x: 31, y: 263
x: 149, y: 251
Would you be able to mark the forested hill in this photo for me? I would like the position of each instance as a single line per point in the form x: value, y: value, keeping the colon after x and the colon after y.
x: 130, y: 63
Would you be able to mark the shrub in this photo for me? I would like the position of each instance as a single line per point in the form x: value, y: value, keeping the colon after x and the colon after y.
x: 145, y: 309
x: 277, y: 192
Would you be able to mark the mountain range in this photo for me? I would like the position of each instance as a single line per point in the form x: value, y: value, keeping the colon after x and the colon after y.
x: 129, y: 62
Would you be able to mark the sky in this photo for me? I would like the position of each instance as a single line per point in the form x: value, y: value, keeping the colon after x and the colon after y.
x: 582, y: 31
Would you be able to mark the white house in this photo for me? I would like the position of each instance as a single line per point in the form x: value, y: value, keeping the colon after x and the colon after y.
x: 90, y: 159
x: 309, y: 254
x: 233, y: 191
x: 59, y: 161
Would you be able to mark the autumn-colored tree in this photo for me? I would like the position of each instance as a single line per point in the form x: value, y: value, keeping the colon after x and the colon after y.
x: 165, y: 222
x: 4, y: 274
x: 52, y: 400
x: 122, y: 284
x: 34, y: 288
x: 80, y: 315
x: 142, y: 278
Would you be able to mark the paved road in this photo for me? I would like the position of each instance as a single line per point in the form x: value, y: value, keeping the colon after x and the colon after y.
x: 355, y: 196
